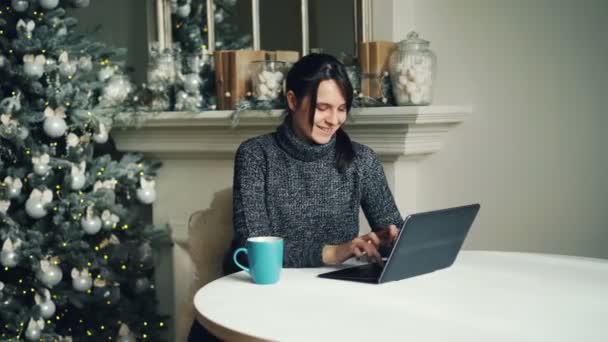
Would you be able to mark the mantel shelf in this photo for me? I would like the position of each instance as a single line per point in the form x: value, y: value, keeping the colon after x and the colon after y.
x: 391, y: 131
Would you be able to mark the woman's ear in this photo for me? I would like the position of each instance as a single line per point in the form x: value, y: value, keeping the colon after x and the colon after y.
x: 292, y: 101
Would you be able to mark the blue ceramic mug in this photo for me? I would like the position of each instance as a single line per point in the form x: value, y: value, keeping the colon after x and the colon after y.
x: 265, y: 254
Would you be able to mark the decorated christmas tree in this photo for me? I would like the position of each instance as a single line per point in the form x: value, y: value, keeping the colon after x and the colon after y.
x: 76, y: 262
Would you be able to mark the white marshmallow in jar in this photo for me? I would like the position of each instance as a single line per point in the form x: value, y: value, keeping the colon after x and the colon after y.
x: 412, y: 70
x: 267, y: 79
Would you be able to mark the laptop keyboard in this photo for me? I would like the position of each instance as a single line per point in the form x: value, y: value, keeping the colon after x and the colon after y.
x: 363, y: 272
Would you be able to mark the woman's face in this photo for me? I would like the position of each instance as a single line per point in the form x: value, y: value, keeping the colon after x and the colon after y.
x: 330, y: 113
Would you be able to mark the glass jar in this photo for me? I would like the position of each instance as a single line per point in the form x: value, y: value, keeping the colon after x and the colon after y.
x: 267, y: 79
x: 412, y: 69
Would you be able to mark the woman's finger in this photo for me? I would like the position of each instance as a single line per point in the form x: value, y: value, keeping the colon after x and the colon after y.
x: 372, y: 238
x: 372, y: 252
x: 393, y: 232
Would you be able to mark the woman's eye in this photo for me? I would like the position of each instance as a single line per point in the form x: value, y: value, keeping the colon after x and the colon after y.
x: 322, y: 108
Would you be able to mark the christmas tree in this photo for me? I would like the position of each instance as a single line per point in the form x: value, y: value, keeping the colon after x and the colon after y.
x: 190, y: 33
x: 76, y: 261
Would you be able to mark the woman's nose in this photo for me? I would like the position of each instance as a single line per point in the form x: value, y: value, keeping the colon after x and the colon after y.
x: 333, y: 118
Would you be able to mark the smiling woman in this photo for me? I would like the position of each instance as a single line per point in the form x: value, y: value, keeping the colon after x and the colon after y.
x: 306, y: 181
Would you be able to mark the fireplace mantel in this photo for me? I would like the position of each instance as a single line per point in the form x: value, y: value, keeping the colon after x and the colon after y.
x: 197, y: 151
x: 391, y: 131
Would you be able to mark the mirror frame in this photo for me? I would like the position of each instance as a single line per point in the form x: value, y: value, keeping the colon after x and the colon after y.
x: 160, y: 19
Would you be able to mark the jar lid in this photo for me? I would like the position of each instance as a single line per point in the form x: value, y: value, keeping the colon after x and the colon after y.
x: 413, y: 41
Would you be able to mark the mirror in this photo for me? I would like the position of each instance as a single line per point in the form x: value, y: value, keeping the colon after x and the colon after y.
x: 333, y: 26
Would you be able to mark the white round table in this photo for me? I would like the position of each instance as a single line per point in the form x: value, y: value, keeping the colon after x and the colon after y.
x: 484, y: 296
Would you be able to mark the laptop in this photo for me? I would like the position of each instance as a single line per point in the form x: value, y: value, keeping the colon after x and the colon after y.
x: 427, y: 242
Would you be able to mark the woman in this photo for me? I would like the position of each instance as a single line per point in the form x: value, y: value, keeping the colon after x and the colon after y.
x: 306, y: 181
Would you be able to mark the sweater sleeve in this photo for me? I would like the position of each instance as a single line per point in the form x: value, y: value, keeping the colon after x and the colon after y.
x: 250, y: 215
x: 377, y: 199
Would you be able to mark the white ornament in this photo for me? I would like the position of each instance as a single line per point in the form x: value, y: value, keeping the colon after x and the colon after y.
x: 19, y: 5
x: 35, y: 204
x: 26, y: 28
x: 54, y: 122
x: 78, y: 178
x: 91, y: 224
x: 3, y: 61
x: 41, y: 164
x: 50, y: 65
x: 4, y: 205
x: 72, y: 140
x: 85, y: 64
x: 14, y: 186
x: 108, y: 219
x: 109, y: 184
x: 34, y: 329
x: 183, y: 11
x: 101, y: 136
x: 125, y: 334
x: 67, y: 68
x: 105, y: 73
x: 81, y: 281
x: 47, y: 306
x: 22, y: 133
x: 49, y: 274
x: 146, y: 194
x: 33, y: 66
x: 11, y: 104
x: 116, y: 91
x: 9, y: 256
x: 192, y: 83
x: 49, y: 4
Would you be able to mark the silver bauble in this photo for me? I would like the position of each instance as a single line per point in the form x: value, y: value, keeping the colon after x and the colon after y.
x: 22, y: 133
x: 146, y: 196
x: 91, y: 225
x: 33, y: 333
x: 49, y: 4
x: 192, y: 83
x: 183, y: 11
x: 35, y: 209
x: 108, y: 224
x: 50, y: 64
x: 67, y: 69
x: 47, y: 308
x: 142, y: 285
x: 55, y: 127
x: 20, y: 5
x: 101, y: 137
x: 9, y: 258
x: 14, y: 192
x: 82, y: 283
x: 51, y: 277
x: 77, y: 182
x: 41, y: 169
x: 33, y: 70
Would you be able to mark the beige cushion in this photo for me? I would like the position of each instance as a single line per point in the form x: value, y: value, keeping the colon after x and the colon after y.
x: 209, y: 235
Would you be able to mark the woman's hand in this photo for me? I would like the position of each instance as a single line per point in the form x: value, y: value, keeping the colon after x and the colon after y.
x: 388, y: 235
x: 362, y: 246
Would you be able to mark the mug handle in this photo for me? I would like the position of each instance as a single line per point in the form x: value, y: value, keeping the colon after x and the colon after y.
x: 238, y: 263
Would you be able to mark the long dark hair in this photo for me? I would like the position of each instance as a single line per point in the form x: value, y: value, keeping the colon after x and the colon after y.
x: 304, y: 78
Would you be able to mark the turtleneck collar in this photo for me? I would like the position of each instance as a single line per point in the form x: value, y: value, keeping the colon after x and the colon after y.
x: 299, y: 148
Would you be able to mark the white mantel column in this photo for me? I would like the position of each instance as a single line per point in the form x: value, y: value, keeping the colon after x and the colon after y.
x: 197, y: 151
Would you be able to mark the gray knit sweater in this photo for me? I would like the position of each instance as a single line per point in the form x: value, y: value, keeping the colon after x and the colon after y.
x: 284, y: 186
